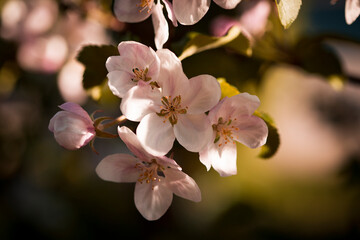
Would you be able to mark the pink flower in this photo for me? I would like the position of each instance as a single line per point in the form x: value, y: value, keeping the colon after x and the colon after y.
x: 175, y: 110
x: 189, y: 12
x: 157, y: 178
x: 253, y: 20
x: 136, y: 63
x: 73, y: 127
x: 232, y: 121
x: 133, y: 11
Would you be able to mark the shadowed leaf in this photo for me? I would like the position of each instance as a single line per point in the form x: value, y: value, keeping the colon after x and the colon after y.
x: 94, y: 58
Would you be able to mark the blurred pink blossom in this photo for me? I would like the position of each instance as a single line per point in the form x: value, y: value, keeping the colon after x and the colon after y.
x: 253, y: 20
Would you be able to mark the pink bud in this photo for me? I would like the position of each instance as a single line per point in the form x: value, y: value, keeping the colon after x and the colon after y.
x: 73, y: 127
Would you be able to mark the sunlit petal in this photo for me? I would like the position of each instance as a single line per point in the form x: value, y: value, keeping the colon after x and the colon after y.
x: 152, y: 201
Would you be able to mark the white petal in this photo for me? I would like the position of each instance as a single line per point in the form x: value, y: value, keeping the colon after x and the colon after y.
x: 171, y: 79
x: 161, y: 27
x: 155, y: 135
x: 140, y: 101
x: 208, y: 155
x: 227, y: 4
x: 182, y: 185
x: 116, y: 63
x: 189, y: 12
x: 193, y: 132
x: 152, y: 201
x: 128, y: 11
x: 252, y: 131
x: 226, y: 164
x: 352, y: 10
x: 170, y: 11
x: 132, y: 142
x: 118, y: 168
x: 238, y: 105
x: 203, y: 93
x: 120, y: 83
x: 140, y: 56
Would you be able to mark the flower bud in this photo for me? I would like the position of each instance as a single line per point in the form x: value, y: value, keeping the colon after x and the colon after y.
x: 73, y: 127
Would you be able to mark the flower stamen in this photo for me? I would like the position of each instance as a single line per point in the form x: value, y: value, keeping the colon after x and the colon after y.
x: 150, y: 172
x: 140, y: 74
x: 171, y: 108
x: 224, y: 131
x: 144, y: 4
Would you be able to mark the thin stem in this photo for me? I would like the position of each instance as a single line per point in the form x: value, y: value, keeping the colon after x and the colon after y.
x: 118, y: 120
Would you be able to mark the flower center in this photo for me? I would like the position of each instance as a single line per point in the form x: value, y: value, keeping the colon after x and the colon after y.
x: 224, y: 131
x: 150, y: 172
x: 145, y: 4
x: 171, y: 108
x: 141, y: 74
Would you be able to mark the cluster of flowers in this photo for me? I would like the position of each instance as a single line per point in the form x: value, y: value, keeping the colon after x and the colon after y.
x: 156, y: 93
x: 186, y: 12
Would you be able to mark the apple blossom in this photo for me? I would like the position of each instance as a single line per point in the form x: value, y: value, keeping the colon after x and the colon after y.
x: 133, y: 11
x: 73, y: 127
x: 156, y: 177
x: 232, y: 122
x: 175, y: 110
x: 189, y: 12
x: 136, y: 62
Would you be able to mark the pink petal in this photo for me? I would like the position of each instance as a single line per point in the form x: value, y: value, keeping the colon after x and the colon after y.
x: 352, y: 10
x: 225, y: 165
x: 238, y: 105
x: 170, y: 11
x: 118, y: 168
x: 124, y: 63
x: 252, y: 132
x: 193, y: 131
x: 255, y: 17
x: 189, y: 12
x: 182, y: 185
x: 155, y: 135
x: 120, y: 83
x: 128, y: 11
x: 161, y: 27
x: 209, y: 154
x: 76, y: 109
x: 203, y: 93
x: 152, y: 201
x: 141, y: 56
x: 140, y: 101
x: 227, y: 4
x: 132, y: 142
x: 70, y: 130
x: 167, y: 162
x: 222, y: 24
x: 171, y: 78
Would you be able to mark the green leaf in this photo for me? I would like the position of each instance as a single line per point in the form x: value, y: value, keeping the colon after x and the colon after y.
x: 288, y: 11
x: 273, y: 141
x: 200, y: 42
x: 94, y: 58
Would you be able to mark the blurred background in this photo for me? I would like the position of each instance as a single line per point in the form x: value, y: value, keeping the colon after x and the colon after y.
x: 310, y: 189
